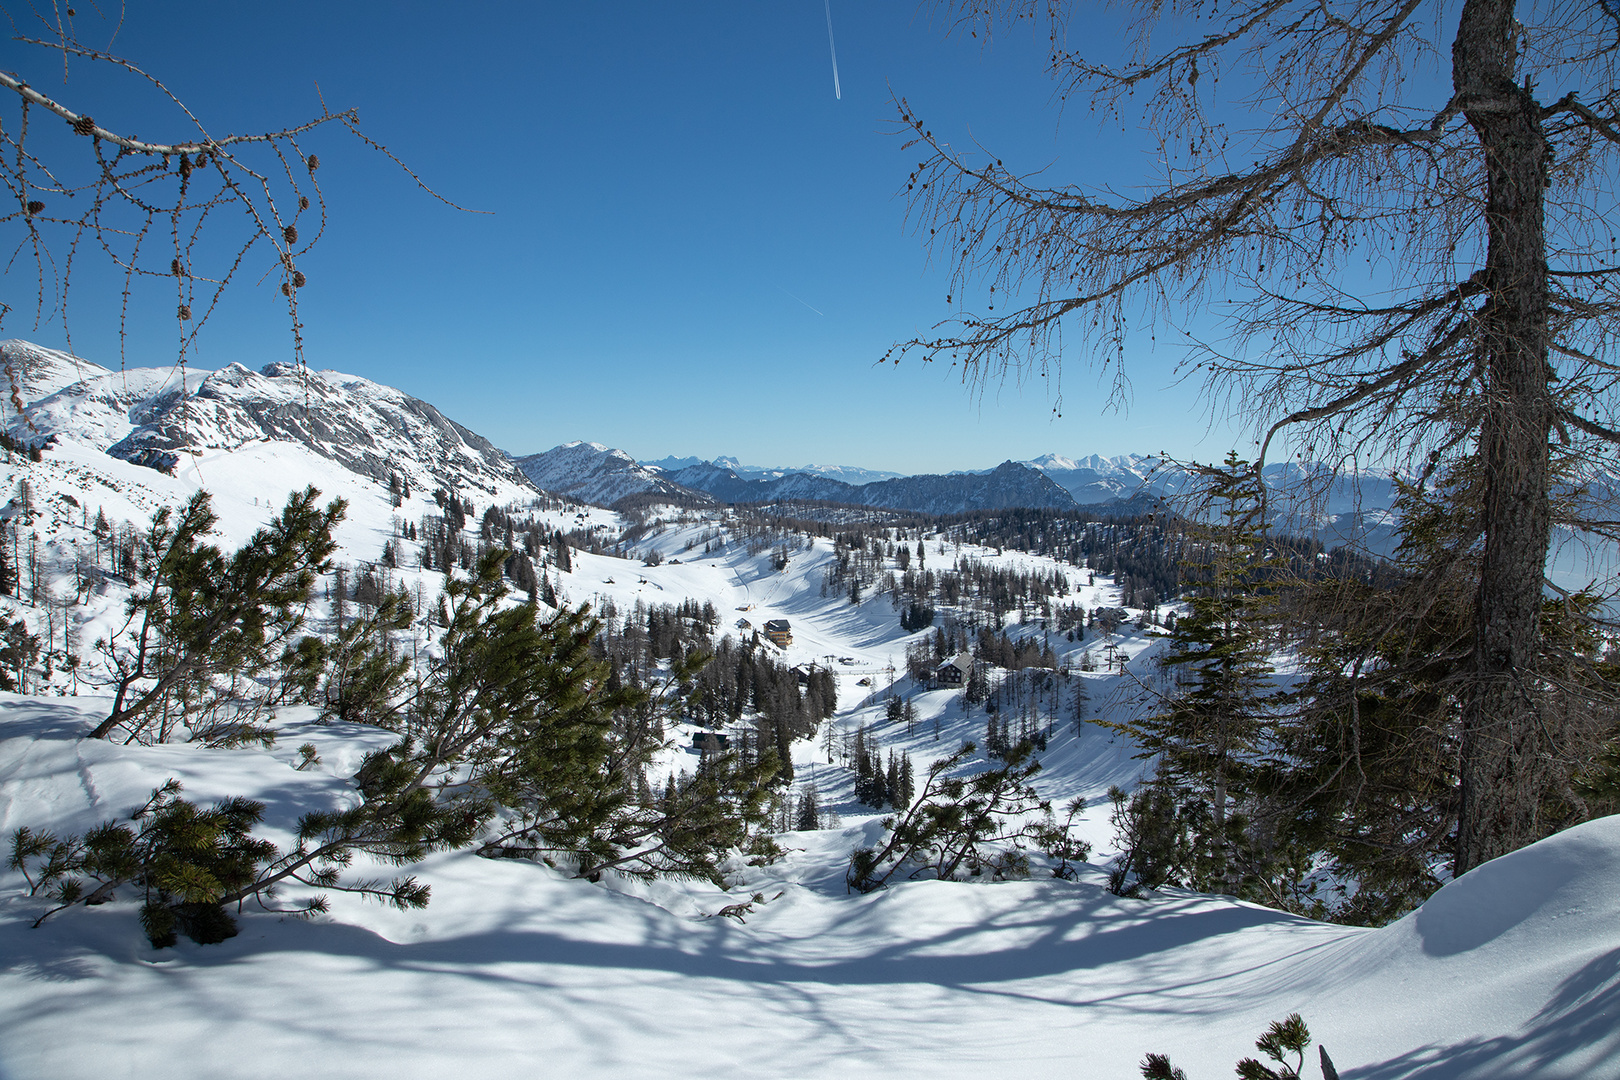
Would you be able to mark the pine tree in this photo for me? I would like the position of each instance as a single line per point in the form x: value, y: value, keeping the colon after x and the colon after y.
x: 365, y: 680
x: 340, y: 597
x: 808, y: 818
x: 977, y: 687
x: 18, y: 650
x: 1372, y: 759
x: 952, y: 823
x: 203, y: 614
x: 1208, y: 735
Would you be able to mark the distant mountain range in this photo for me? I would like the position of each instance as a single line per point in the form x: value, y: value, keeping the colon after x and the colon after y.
x: 1009, y: 484
x: 156, y: 417
x: 593, y: 473
x: 1309, y: 498
x: 601, y: 475
x: 849, y: 474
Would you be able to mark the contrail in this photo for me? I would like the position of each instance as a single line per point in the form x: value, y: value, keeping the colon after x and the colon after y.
x: 823, y: 314
x: 833, y: 48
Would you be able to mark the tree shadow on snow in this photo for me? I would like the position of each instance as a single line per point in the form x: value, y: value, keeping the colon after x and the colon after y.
x: 1050, y: 939
x: 1576, y: 1034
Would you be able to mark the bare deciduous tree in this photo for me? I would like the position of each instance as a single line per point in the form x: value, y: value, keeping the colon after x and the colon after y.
x: 186, y: 211
x: 1418, y: 270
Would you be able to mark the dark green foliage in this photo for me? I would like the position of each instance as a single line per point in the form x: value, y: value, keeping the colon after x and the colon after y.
x: 1209, y: 737
x: 1158, y: 1067
x: 956, y: 823
x: 1600, y: 782
x: 808, y: 818
x: 18, y: 649
x: 1373, y: 754
x: 303, y: 665
x: 877, y: 783
x: 205, y: 615
x: 1283, y: 1038
x: 1056, y: 839
x: 742, y: 677
x: 399, y: 819
x: 517, y: 715
x: 916, y: 616
x: 187, y: 861
x: 977, y: 687
x: 1218, y: 815
x: 1154, y: 838
x: 365, y: 679
x: 724, y: 807
x: 537, y: 718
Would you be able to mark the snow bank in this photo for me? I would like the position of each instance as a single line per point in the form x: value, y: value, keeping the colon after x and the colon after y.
x: 514, y: 969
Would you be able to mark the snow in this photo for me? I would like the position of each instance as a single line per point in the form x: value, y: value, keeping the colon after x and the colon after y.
x: 1512, y: 970
x: 592, y: 472
x: 33, y: 371
x: 1509, y: 971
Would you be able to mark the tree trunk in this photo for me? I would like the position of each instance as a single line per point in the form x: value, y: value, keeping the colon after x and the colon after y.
x: 1504, y: 742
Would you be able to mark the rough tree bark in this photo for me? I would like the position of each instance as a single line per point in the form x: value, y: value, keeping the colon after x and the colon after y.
x: 1415, y: 275
x: 1505, y: 746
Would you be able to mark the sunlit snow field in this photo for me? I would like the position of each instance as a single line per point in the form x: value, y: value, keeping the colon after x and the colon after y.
x: 515, y: 969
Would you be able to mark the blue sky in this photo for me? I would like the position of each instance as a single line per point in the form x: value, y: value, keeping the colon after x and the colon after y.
x: 690, y: 246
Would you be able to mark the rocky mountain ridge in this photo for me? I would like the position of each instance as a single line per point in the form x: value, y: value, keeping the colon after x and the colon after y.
x: 156, y: 416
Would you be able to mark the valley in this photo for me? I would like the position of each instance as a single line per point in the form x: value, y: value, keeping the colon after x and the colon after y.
x: 779, y: 967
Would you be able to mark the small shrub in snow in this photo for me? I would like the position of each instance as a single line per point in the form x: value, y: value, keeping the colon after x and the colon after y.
x: 1282, y: 1038
x: 1056, y: 840
x: 957, y: 823
x: 185, y: 860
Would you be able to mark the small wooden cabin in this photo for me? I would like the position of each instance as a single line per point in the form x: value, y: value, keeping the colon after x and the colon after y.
x: 955, y: 671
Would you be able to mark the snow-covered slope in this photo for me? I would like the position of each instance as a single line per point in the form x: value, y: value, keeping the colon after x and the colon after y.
x: 33, y: 372
x: 594, y: 473
x: 150, y: 417
x: 1509, y: 972
x: 105, y: 407
x: 514, y: 968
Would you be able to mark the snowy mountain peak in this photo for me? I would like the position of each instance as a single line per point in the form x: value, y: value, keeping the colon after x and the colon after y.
x: 34, y: 372
x: 154, y: 416
x: 849, y: 474
x: 594, y: 473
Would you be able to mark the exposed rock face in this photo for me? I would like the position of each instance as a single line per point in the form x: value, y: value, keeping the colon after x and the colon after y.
x: 148, y: 416
x: 594, y: 473
x: 33, y: 372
